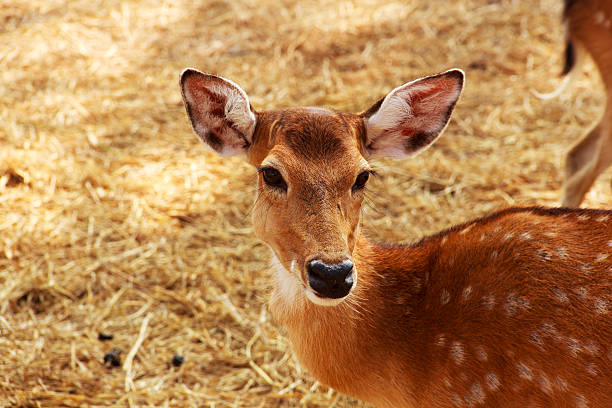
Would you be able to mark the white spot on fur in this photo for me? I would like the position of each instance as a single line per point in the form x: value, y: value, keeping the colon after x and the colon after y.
x: 444, y: 297
x: 583, y: 217
x: 560, y: 296
x: 536, y: 338
x: 493, y: 382
x: 489, y: 301
x: 582, y: 293
x: 524, y: 371
x: 560, y: 383
x: 467, y: 292
x: 456, y: 400
x: 599, y: 17
x: 544, y: 255
x: 515, y: 303
x: 581, y: 402
x: 573, y: 346
x: 508, y: 236
x: 524, y: 303
x: 481, y: 353
x: 476, y: 395
x: 525, y: 236
x: 592, y: 348
x: 545, y: 384
x: 601, y: 306
x: 562, y: 253
x: 444, y: 239
x: 601, y: 257
x: 603, y: 218
x: 551, y: 234
x: 441, y: 340
x: 586, y: 269
x: 494, y: 254
x: 591, y: 369
x: 457, y: 352
x: 549, y: 329
x: 610, y: 243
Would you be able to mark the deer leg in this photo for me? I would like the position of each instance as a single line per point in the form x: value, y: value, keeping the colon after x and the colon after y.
x: 587, y: 159
x: 580, y: 168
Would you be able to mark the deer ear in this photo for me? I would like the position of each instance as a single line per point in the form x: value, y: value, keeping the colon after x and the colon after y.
x: 410, y: 118
x: 219, y: 111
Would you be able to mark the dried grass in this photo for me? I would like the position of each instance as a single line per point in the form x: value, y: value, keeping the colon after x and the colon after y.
x: 114, y: 219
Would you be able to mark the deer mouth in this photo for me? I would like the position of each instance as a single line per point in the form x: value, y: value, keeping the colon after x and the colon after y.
x: 322, y: 301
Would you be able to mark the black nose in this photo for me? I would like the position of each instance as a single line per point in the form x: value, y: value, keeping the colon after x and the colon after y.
x: 330, y: 281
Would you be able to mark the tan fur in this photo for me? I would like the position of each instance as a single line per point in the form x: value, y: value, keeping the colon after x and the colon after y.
x: 511, y: 310
x: 536, y: 299
x: 590, y: 28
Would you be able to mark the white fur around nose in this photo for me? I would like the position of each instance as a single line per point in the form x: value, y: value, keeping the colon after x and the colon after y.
x: 322, y: 301
x: 289, y: 285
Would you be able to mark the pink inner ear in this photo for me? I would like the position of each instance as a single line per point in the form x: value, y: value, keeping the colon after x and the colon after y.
x: 408, y: 131
x: 214, y: 107
x: 412, y: 116
x: 219, y: 112
x: 431, y: 106
x: 423, y: 94
x: 434, y: 99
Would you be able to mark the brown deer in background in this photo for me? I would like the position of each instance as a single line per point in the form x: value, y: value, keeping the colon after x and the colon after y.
x: 589, y: 25
x: 510, y: 310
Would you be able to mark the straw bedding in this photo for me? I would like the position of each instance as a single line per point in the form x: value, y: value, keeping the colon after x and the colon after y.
x: 114, y: 219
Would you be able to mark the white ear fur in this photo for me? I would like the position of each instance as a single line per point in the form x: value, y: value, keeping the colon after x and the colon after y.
x: 412, y: 116
x: 219, y: 111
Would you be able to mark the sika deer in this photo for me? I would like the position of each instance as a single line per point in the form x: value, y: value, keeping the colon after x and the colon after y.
x: 589, y: 30
x: 511, y: 310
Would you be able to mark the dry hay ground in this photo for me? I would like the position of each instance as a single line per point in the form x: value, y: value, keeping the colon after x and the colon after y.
x: 115, y: 219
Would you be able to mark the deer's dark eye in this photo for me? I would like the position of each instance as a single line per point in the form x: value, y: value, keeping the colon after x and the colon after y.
x: 273, y: 178
x: 361, y: 181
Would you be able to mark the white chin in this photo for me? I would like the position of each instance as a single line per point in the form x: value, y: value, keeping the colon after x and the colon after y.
x: 317, y: 300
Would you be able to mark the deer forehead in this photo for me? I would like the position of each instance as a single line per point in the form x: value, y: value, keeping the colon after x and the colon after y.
x: 313, y: 142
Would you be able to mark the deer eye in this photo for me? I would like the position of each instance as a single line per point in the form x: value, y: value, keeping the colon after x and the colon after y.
x: 361, y: 181
x: 273, y: 178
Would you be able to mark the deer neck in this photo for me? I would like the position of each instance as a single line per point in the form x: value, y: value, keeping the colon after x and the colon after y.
x: 336, y: 342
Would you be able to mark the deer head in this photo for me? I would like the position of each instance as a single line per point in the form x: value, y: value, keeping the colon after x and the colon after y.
x: 313, y: 166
